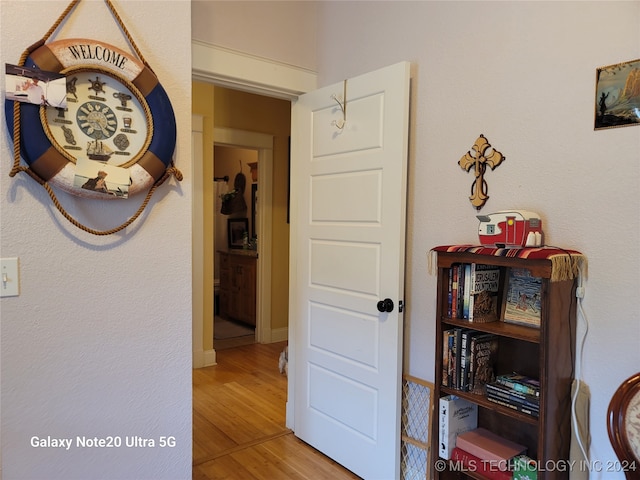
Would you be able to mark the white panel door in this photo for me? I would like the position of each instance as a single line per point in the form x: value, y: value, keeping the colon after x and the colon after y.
x: 348, y: 190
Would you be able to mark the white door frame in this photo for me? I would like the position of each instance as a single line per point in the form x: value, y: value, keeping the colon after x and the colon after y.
x: 200, y: 358
x: 232, y: 69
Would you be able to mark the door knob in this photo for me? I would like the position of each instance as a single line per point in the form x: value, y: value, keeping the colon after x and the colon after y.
x: 385, y: 305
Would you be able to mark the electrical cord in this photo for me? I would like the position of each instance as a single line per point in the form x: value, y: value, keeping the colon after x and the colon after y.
x: 579, y: 356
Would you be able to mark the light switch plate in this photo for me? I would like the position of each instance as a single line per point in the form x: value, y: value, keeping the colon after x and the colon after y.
x: 9, y: 277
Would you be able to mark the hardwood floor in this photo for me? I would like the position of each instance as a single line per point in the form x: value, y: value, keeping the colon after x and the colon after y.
x: 239, y: 422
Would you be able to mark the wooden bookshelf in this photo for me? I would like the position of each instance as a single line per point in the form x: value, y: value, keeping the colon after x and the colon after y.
x: 546, y: 353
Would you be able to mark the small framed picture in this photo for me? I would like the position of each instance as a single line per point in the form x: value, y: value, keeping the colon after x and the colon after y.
x: 617, y: 102
x: 524, y: 296
x: 237, y: 228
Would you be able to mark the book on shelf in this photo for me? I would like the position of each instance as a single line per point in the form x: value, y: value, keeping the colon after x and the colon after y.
x: 475, y: 464
x: 515, y: 400
x: 523, y: 301
x: 450, y: 293
x: 503, y: 391
x: 445, y: 358
x: 506, y: 397
x: 455, y: 370
x: 466, y: 290
x: 525, y: 468
x: 456, y: 415
x: 518, y: 407
x: 520, y: 383
x: 449, y: 358
x: 488, y: 446
x: 458, y: 291
x: 465, y: 358
x: 457, y: 353
x: 454, y: 355
x: 472, y: 292
x: 484, y: 352
x: 470, y: 340
x: 454, y: 272
x: 485, y: 286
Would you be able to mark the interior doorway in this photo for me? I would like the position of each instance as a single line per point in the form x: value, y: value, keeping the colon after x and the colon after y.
x: 238, y: 119
x: 244, y: 146
x: 267, y: 79
x: 262, y: 77
x: 235, y: 170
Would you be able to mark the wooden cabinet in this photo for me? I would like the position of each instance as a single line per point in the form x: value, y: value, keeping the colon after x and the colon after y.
x: 238, y: 286
x: 545, y: 353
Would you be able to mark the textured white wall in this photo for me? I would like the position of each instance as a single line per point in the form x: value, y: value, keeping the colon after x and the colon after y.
x: 99, y: 341
x: 523, y: 74
x: 283, y: 31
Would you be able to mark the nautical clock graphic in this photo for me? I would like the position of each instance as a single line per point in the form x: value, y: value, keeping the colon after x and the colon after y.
x: 99, y: 120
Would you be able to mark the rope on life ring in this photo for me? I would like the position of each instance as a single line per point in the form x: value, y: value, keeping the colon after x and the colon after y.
x: 50, y: 166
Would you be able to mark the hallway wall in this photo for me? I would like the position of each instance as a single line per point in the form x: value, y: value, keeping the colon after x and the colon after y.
x: 98, y: 344
x: 284, y: 31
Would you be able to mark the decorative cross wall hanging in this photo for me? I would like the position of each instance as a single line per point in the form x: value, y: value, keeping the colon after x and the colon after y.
x: 479, y: 160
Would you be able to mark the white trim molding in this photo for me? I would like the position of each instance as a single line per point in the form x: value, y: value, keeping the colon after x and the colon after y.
x: 242, y: 71
x: 200, y: 357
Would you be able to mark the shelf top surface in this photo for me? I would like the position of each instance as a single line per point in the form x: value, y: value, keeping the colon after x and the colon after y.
x: 548, y: 262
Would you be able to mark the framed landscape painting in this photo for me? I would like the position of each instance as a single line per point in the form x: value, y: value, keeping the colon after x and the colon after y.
x: 617, y: 102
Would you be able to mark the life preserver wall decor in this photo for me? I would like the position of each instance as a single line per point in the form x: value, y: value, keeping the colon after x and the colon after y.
x: 115, y: 136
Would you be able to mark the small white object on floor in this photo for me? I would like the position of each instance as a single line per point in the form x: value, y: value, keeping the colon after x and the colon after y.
x: 283, y: 362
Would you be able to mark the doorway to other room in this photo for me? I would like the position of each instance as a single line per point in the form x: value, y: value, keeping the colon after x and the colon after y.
x: 235, y: 245
x: 241, y: 120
